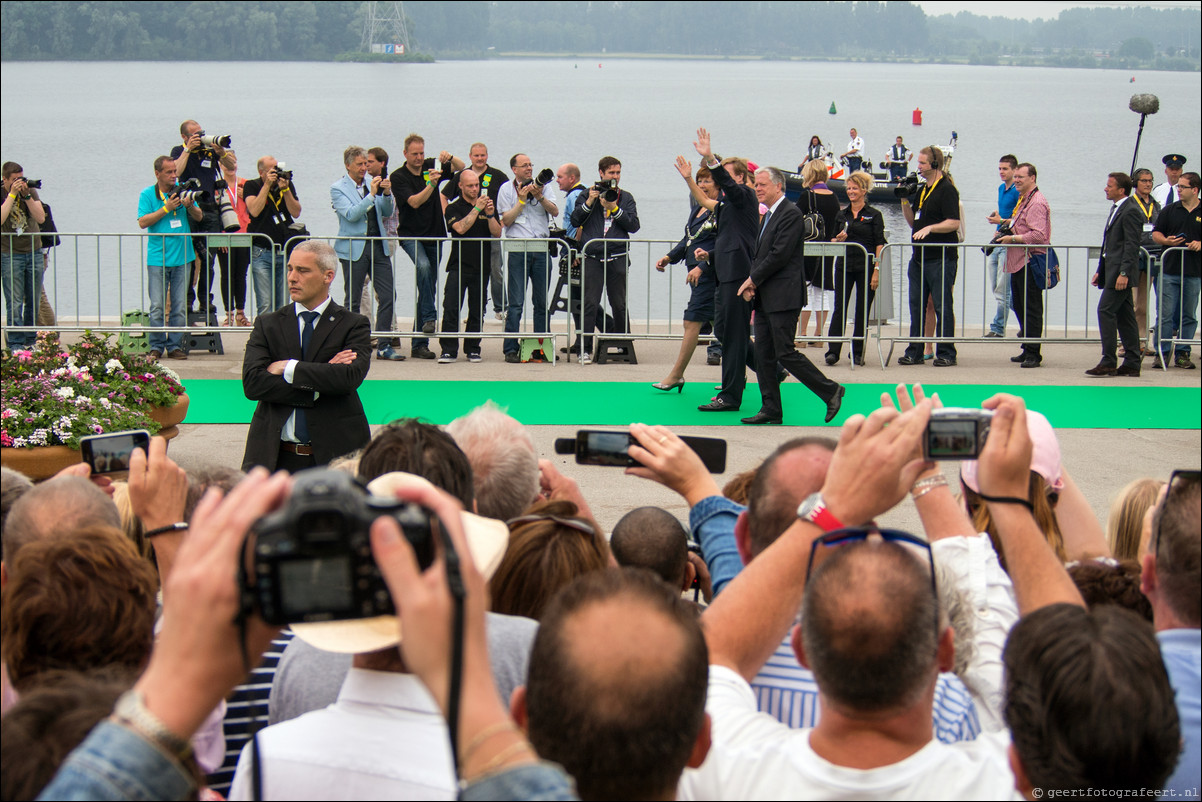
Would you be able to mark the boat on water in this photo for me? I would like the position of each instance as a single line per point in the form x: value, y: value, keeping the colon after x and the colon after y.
x: 882, y: 190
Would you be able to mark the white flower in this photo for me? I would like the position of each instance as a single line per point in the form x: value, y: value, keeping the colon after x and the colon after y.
x: 113, y: 365
x: 20, y: 442
x: 169, y: 372
x: 104, y: 402
x: 60, y: 371
x: 65, y: 392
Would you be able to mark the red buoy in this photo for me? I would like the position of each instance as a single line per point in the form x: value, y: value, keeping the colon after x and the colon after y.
x: 917, y: 117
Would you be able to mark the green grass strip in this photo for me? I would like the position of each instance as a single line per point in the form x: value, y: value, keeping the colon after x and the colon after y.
x: 564, y: 403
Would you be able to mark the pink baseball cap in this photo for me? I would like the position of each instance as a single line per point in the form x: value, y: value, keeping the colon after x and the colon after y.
x: 1045, y: 455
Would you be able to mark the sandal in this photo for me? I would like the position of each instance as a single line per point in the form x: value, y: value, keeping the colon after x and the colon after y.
x: 241, y: 318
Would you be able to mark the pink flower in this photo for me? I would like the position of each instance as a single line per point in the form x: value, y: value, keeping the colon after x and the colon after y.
x: 25, y: 356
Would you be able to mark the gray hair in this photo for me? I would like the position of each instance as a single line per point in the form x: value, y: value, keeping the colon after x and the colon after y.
x: 503, y: 458
x: 62, y: 505
x: 776, y: 175
x: 327, y: 259
x: 352, y: 153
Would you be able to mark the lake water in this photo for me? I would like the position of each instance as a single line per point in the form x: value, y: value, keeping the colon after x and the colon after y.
x: 91, y: 131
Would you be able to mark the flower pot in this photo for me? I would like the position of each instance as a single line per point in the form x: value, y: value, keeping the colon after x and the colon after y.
x: 41, y: 462
x: 172, y: 415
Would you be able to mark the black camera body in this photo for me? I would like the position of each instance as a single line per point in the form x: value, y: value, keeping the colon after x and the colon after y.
x: 187, y: 190
x: 907, y: 186
x: 608, y: 190
x: 545, y: 176
x: 280, y: 172
x: 33, y: 183
x: 312, y: 558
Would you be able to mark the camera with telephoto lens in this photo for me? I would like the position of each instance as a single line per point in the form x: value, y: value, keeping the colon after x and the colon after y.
x: 545, y: 176
x: 281, y: 172
x: 225, y: 210
x: 312, y: 559
x: 187, y: 191
x: 217, y: 140
x: 608, y: 190
x: 956, y: 433
x: 33, y: 183
x: 907, y: 186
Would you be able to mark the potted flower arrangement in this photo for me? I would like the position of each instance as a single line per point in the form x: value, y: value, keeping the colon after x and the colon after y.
x: 54, y: 394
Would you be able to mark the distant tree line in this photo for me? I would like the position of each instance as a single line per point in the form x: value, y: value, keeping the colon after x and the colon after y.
x: 252, y: 30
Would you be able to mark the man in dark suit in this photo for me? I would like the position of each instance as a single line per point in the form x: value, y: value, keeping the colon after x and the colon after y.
x: 776, y: 290
x: 1118, y: 268
x: 304, y: 364
x: 738, y: 215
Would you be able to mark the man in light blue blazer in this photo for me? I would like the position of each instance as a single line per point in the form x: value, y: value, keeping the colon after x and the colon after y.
x: 362, y: 207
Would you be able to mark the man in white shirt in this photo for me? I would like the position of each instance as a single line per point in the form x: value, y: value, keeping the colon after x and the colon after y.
x: 854, y: 153
x: 526, y: 209
x: 1166, y: 193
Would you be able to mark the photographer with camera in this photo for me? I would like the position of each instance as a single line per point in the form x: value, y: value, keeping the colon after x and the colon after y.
x: 167, y: 208
x: 526, y: 205
x: 932, y: 209
x: 199, y: 157
x: 21, y: 215
x: 273, y: 206
x: 607, y: 213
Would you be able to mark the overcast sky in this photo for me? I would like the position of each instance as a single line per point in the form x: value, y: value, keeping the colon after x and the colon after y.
x: 1035, y: 10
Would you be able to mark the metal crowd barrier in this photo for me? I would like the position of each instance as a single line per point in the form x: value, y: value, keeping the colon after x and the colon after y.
x: 1181, y: 315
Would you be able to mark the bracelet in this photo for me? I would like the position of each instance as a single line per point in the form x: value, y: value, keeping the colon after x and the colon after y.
x: 1009, y: 500
x: 12, y: 196
x: 504, y: 755
x: 484, y: 735
x: 162, y: 530
x: 521, y: 202
x: 924, y: 486
x: 165, y: 209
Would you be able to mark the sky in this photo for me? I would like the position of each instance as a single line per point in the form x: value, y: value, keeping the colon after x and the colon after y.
x: 1025, y: 9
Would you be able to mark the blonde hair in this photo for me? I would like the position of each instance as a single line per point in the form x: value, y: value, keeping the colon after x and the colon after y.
x: 862, y: 179
x: 1125, y: 524
x: 1041, y: 497
x: 813, y: 172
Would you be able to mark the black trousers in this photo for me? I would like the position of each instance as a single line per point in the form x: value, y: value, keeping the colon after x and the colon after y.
x: 733, y: 322
x: 774, y: 336
x: 845, y: 282
x: 234, y: 263
x: 469, y: 281
x: 610, y: 276
x: 1116, y: 318
x: 1026, y: 299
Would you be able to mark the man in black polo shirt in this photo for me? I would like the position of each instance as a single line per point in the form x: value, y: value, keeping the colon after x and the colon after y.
x: 200, y: 160
x: 933, y: 213
x: 415, y: 184
x: 491, y: 180
x: 1179, y: 226
x: 273, y: 206
x: 471, y: 217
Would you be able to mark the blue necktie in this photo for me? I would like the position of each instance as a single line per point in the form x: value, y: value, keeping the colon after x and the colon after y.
x: 302, y: 423
x: 763, y: 228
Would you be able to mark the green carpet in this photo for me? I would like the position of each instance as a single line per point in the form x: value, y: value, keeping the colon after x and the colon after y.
x: 618, y: 403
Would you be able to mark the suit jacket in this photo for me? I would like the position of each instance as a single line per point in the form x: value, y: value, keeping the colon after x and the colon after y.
x: 778, y: 270
x: 591, y: 223
x: 337, y: 423
x: 738, y: 222
x: 1121, y: 246
x: 352, y: 213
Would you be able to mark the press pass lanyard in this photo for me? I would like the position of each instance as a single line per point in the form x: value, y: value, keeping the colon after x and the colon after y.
x: 922, y: 198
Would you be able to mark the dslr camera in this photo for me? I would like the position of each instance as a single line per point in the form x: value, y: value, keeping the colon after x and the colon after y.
x: 545, y: 176
x: 281, y: 172
x: 312, y: 559
x: 225, y: 210
x: 608, y: 190
x: 955, y: 433
x: 187, y: 191
x: 216, y: 140
x: 907, y: 186
x: 33, y: 183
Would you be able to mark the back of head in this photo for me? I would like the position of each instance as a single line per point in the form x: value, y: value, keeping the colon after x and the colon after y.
x: 869, y: 625
x: 774, y: 494
x: 651, y: 538
x: 1105, y: 581
x: 503, y: 459
x: 421, y: 449
x: 13, y: 485
x: 1177, y: 535
x: 543, y: 556
x: 616, y: 692
x: 1125, y: 523
x: 1088, y: 700
x: 200, y: 480
x: 76, y: 602
x: 58, y: 506
x: 813, y: 173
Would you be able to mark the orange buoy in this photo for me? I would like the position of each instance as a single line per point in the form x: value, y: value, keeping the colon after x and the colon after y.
x: 917, y: 118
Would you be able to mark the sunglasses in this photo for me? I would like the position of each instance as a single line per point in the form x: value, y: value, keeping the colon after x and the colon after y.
x: 571, y: 523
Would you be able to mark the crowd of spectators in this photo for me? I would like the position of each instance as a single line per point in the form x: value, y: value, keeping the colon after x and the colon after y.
x: 778, y: 644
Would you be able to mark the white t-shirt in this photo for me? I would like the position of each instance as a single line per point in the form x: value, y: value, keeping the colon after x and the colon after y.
x: 754, y: 756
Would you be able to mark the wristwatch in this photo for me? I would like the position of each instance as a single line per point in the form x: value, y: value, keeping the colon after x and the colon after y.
x: 131, y: 712
x: 813, y: 510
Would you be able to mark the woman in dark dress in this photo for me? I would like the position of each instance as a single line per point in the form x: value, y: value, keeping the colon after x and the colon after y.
x: 862, y: 224
x: 820, y: 280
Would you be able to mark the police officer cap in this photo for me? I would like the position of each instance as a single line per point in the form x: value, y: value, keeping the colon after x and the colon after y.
x: 1174, y: 160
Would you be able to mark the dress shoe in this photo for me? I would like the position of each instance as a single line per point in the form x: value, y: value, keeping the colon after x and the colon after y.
x: 178, y: 353
x: 387, y: 352
x: 1102, y: 369
x: 421, y: 352
x: 859, y: 361
x: 909, y: 360
x: 1031, y: 362
x: 1127, y: 370
x: 718, y: 405
x: 832, y: 359
x: 944, y: 363
x: 832, y: 406
x: 667, y: 387
x: 1020, y: 358
x: 155, y: 356
x: 781, y: 375
x: 759, y: 418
